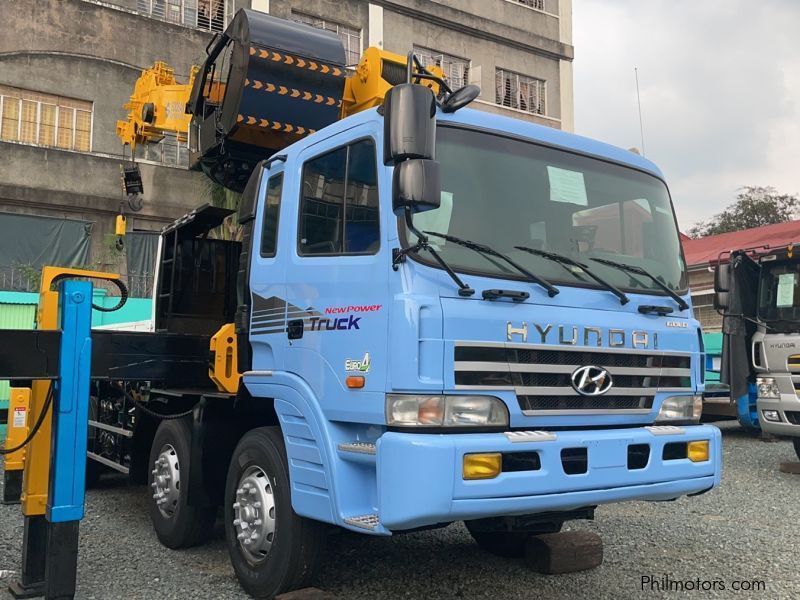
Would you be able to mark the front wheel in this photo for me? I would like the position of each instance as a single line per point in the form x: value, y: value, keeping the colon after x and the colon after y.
x: 796, y: 447
x: 272, y: 549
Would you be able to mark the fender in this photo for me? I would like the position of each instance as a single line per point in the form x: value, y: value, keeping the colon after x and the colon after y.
x: 309, y: 449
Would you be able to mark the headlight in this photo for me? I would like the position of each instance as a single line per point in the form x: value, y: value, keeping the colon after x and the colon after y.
x: 445, y: 411
x: 680, y: 408
x: 767, y: 388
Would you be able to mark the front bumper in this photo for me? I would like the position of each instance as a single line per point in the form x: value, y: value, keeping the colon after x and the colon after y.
x: 787, y: 403
x: 420, y: 475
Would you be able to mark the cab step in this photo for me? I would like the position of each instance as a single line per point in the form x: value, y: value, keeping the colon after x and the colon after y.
x: 368, y: 522
x: 358, y: 447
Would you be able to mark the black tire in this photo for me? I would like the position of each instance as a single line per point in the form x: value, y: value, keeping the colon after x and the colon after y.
x: 296, y: 543
x: 507, y: 544
x: 796, y: 447
x: 177, y: 525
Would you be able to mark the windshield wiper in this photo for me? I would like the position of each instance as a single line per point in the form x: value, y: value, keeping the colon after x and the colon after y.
x: 486, y: 250
x: 399, y: 255
x: 567, y: 261
x: 636, y: 270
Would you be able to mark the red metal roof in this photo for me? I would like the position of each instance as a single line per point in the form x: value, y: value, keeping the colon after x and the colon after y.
x: 707, y: 249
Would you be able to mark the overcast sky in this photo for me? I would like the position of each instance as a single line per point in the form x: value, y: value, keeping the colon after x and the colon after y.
x: 720, y: 91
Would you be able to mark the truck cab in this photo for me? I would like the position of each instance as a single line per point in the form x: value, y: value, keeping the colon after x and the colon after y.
x: 774, y: 345
x: 408, y: 397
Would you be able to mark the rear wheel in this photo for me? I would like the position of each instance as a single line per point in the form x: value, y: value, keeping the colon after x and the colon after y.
x: 272, y: 549
x: 796, y: 447
x: 177, y: 524
x: 508, y: 544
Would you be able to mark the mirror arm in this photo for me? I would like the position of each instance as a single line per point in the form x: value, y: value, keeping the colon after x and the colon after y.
x: 424, y: 244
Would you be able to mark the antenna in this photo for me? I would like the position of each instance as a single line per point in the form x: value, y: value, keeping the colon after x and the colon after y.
x: 639, y: 103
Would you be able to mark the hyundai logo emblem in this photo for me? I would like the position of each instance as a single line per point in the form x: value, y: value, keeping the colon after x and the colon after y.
x: 591, y: 380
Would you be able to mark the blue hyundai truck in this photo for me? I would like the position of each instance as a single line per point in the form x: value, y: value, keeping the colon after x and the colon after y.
x: 434, y: 314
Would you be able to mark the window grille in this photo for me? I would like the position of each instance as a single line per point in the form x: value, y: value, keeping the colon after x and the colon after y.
x: 208, y: 15
x: 521, y: 92
x: 45, y: 120
x: 351, y: 37
x: 456, y: 69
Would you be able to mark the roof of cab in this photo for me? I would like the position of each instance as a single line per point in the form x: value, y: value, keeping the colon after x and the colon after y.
x: 517, y: 127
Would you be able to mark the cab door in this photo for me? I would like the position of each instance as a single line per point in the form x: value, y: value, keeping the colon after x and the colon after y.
x: 267, y: 277
x: 337, y: 279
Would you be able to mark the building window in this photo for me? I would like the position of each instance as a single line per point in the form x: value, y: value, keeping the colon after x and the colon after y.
x: 351, y: 37
x: 520, y: 92
x: 537, y: 4
x: 456, y: 69
x: 45, y: 120
x: 169, y: 151
x: 208, y: 15
x: 339, y: 202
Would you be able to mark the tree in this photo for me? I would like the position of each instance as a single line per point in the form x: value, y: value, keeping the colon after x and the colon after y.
x: 755, y: 206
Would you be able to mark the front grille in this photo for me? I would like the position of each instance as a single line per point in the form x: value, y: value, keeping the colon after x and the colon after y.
x: 541, y: 375
x: 793, y: 417
x: 604, y: 402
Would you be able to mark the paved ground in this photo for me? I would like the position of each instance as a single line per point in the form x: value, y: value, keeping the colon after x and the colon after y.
x: 745, y: 530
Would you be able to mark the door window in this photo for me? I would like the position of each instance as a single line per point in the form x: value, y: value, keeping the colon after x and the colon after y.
x: 272, y: 209
x: 339, y: 202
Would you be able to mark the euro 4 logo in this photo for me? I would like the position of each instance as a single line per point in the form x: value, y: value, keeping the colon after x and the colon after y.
x: 358, y: 365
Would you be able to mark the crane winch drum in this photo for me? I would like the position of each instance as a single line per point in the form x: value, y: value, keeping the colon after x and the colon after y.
x: 265, y: 84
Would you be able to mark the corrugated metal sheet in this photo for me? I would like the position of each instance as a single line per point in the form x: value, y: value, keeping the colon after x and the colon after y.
x: 12, y: 316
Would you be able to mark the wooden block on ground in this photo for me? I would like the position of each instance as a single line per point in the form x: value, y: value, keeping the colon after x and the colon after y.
x: 309, y: 593
x: 790, y: 467
x: 564, y: 552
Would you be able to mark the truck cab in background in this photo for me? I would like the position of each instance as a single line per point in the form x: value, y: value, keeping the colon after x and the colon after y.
x: 758, y: 292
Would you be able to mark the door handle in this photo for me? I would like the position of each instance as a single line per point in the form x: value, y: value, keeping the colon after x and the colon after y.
x: 295, y: 329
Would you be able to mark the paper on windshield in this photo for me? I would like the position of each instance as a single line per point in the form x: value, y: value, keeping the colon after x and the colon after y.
x: 567, y: 186
x: 785, y: 290
x: 436, y: 220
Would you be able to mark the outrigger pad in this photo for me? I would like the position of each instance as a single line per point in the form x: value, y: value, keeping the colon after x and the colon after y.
x: 564, y: 552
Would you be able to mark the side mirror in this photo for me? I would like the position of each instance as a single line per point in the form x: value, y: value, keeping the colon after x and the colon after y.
x: 409, y: 123
x: 460, y: 98
x: 722, y: 285
x: 722, y: 277
x: 417, y: 186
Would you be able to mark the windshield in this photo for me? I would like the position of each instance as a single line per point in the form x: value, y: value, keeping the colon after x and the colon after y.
x: 779, y: 292
x: 505, y: 192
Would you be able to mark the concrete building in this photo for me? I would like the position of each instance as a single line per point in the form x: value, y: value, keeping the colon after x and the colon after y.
x: 68, y: 66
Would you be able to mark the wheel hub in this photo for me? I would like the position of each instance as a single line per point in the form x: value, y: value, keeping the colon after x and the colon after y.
x: 254, y: 514
x: 166, y: 481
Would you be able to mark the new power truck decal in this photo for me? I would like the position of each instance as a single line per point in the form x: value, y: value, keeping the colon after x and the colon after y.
x: 273, y: 315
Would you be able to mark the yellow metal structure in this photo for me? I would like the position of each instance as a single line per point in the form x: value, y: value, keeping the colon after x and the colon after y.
x: 19, y: 424
x: 157, y: 105
x: 367, y: 87
x: 224, y: 372
x: 37, y: 456
x: 158, y: 102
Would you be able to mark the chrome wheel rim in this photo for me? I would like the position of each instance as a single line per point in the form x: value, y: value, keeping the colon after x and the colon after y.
x: 254, y: 514
x: 166, y: 481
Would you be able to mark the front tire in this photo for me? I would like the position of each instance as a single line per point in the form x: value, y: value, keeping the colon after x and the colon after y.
x: 796, y: 447
x: 272, y: 549
x: 177, y: 524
